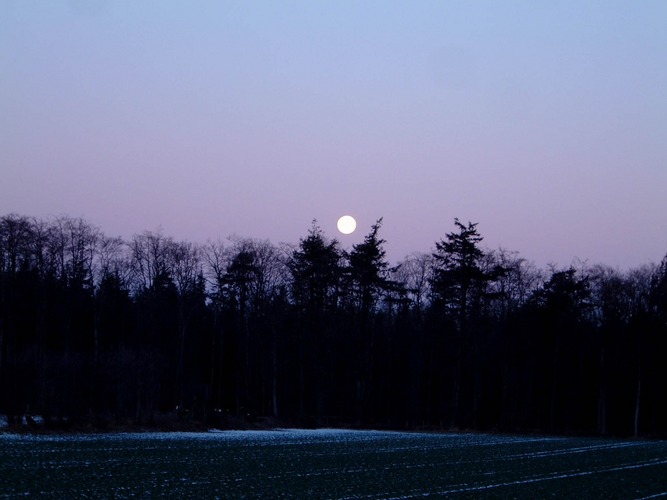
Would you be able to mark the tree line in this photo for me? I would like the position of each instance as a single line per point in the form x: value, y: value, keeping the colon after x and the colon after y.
x: 97, y: 330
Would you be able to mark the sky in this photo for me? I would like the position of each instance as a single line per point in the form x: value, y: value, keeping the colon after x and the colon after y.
x: 545, y: 122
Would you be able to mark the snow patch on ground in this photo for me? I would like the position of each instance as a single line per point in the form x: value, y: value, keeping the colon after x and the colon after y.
x: 326, y: 463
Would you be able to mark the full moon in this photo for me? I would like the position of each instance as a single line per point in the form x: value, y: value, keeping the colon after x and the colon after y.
x: 347, y: 224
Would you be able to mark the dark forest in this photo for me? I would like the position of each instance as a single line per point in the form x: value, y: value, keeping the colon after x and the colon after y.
x: 97, y: 332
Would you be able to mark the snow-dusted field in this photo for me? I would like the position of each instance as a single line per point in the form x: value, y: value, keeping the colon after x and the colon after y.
x: 328, y: 464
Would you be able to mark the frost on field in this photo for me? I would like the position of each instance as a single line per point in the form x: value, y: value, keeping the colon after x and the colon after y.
x: 327, y: 463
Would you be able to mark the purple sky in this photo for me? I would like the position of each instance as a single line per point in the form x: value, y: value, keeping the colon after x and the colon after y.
x: 546, y: 121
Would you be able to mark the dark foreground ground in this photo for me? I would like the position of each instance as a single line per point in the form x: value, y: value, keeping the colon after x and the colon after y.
x: 328, y: 464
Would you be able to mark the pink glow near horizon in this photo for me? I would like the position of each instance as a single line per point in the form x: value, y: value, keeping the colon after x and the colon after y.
x: 544, y: 123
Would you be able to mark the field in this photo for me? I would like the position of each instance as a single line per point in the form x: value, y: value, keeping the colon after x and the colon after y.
x: 329, y: 464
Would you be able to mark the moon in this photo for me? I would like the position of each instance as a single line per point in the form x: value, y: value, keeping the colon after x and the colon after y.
x: 347, y: 224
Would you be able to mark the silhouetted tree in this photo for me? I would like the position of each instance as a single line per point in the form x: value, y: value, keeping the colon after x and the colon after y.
x: 414, y: 273
x: 563, y: 305
x: 369, y: 274
x: 316, y: 269
x: 459, y: 283
x: 17, y: 285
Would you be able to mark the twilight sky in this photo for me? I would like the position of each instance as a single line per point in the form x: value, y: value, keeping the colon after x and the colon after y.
x: 543, y: 121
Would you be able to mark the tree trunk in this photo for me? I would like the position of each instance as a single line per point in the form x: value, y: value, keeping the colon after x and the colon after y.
x: 180, y: 367
x: 274, y: 380
x: 638, y: 400
x: 602, y: 398
x: 554, y: 390
x: 456, y: 396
